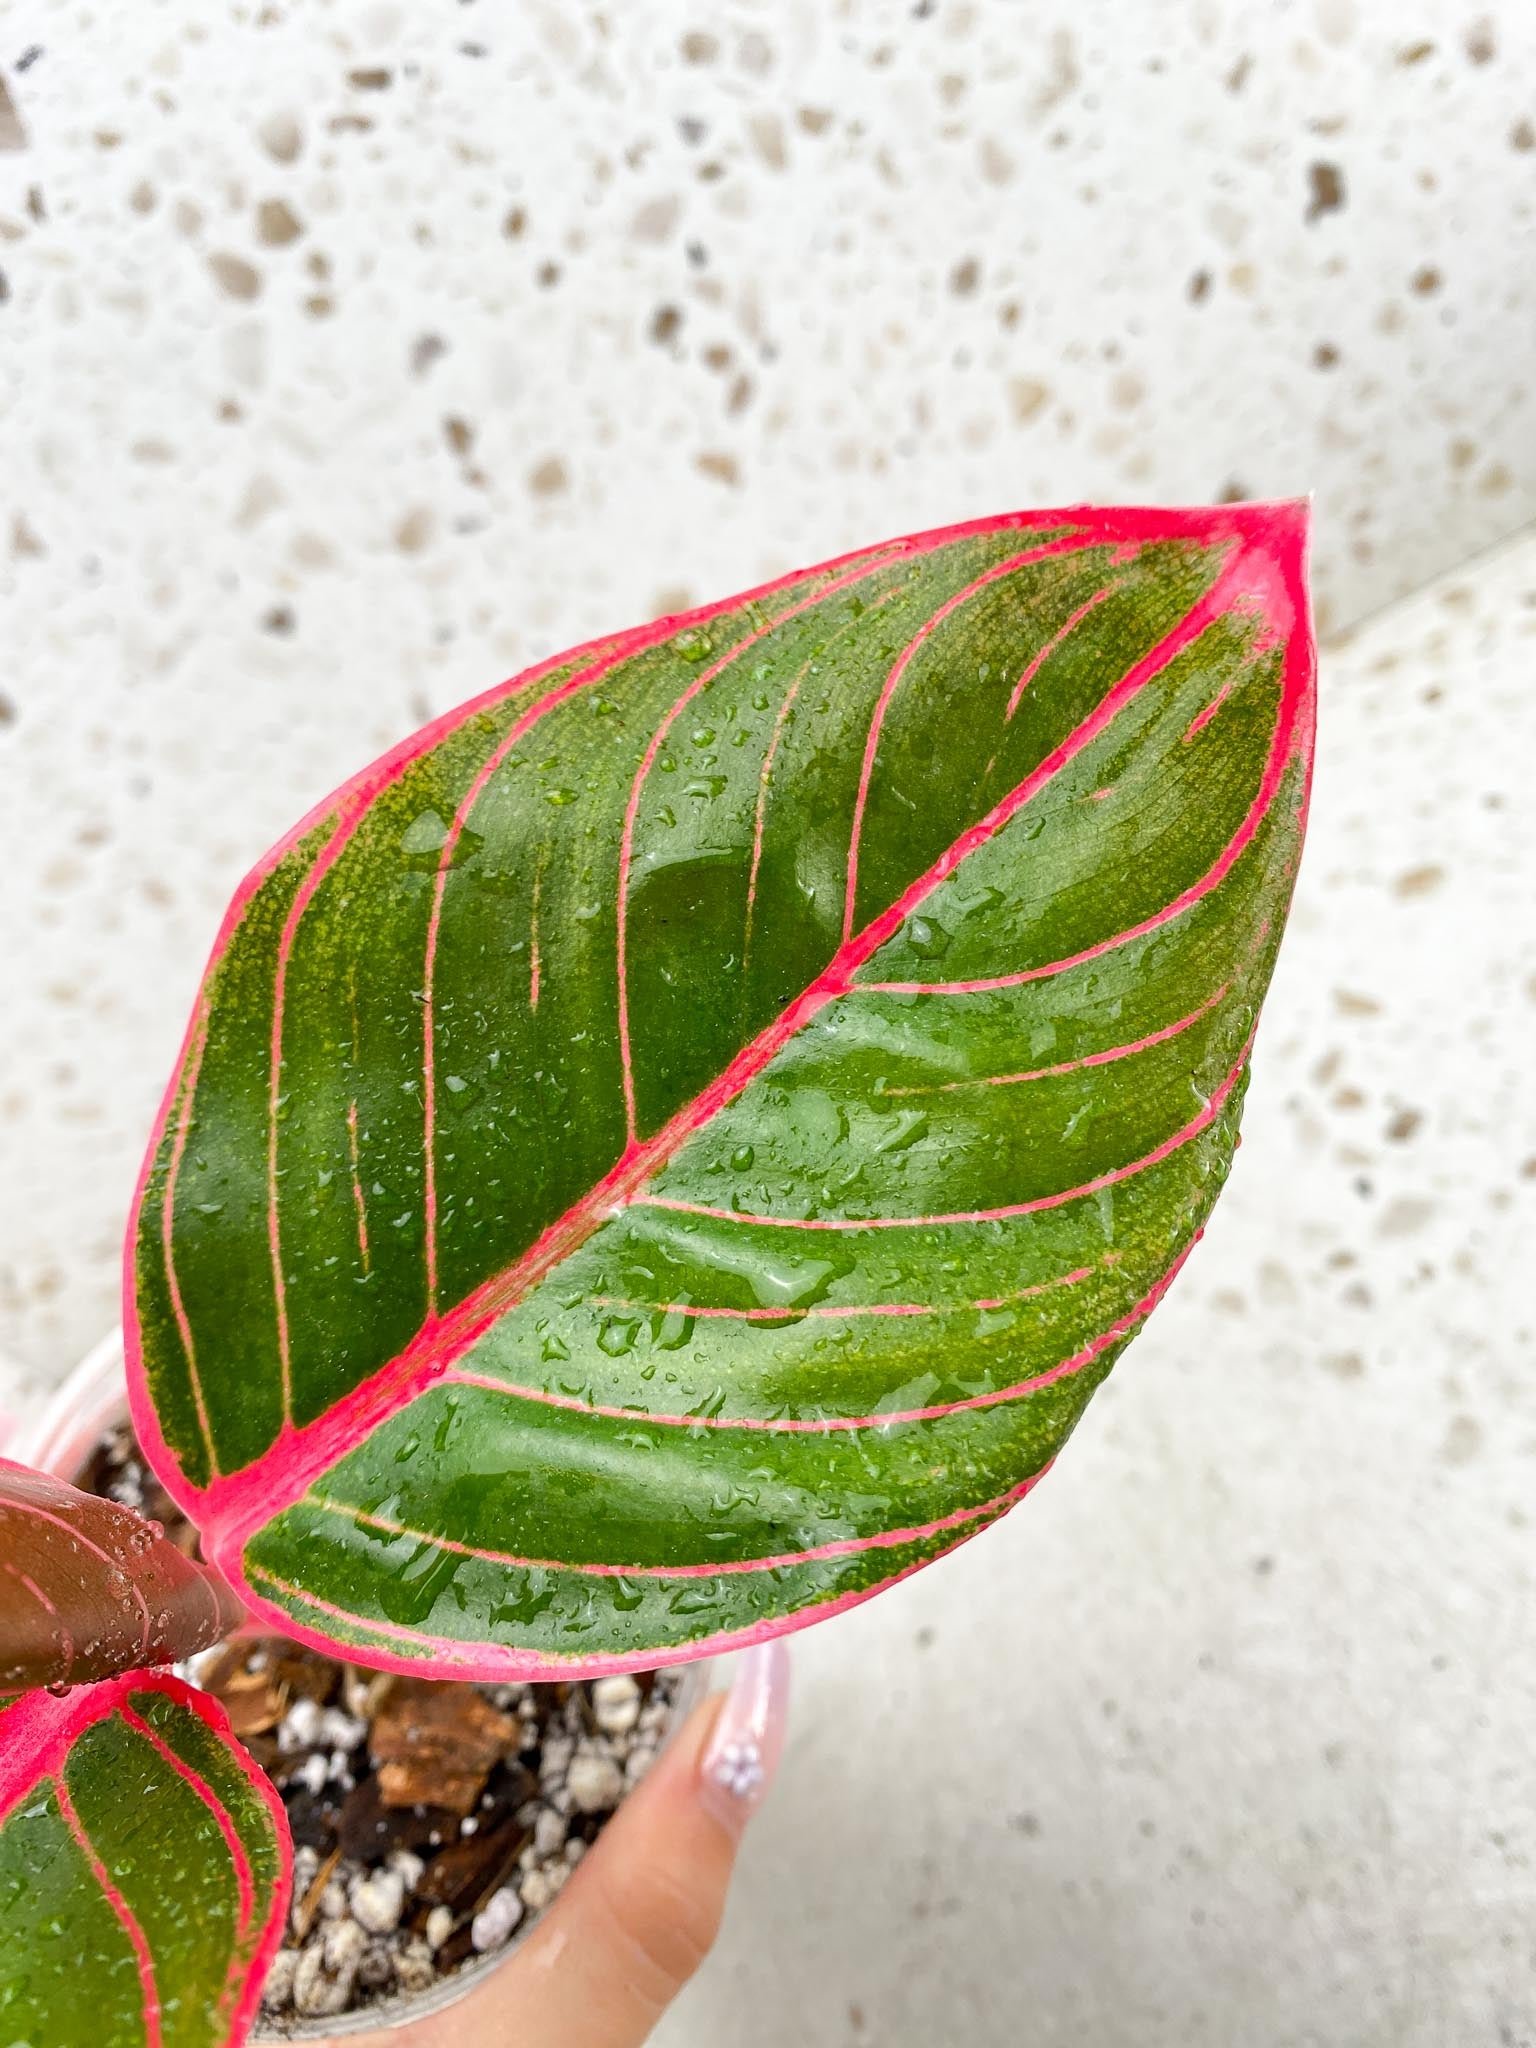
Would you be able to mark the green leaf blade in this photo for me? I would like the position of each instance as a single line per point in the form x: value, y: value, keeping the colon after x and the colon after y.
x: 144, y: 1870
x: 53, y: 1913
x: 831, y: 1009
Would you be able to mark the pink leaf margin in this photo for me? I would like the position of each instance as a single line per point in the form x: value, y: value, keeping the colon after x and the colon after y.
x: 1278, y: 529
x: 471, y: 1664
x: 39, y: 1733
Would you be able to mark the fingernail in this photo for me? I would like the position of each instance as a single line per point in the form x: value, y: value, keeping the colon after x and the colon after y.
x: 743, y: 1753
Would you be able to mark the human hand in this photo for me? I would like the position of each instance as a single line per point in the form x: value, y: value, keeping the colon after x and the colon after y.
x: 642, y: 1909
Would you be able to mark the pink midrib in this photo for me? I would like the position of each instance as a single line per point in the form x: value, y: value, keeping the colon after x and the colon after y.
x: 229, y: 1509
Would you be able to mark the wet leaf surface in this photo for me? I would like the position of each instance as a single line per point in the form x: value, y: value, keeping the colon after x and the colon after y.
x: 144, y: 1870
x: 674, y: 1146
x: 89, y: 1588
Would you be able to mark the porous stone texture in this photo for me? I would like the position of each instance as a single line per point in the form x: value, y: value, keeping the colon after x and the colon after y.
x: 1224, y: 1735
x: 595, y: 1781
x: 492, y: 1926
x: 354, y: 357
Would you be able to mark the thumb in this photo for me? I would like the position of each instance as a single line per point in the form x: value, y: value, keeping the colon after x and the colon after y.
x: 642, y: 1910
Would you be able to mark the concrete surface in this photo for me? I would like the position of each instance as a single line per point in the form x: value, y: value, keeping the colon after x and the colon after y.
x: 353, y: 356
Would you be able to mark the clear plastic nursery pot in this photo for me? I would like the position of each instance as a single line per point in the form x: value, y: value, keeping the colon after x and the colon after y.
x: 91, y: 1401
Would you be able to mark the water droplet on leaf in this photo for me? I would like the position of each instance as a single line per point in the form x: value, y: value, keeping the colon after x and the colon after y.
x: 927, y: 938
x: 617, y: 1335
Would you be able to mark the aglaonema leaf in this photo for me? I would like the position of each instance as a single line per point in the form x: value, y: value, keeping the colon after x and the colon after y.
x: 89, y: 1589
x: 672, y: 1147
x: 144, y: 1870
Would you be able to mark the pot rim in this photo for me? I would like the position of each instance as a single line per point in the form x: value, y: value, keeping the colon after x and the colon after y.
x: 60, y: 1436
x: 64, y: 1435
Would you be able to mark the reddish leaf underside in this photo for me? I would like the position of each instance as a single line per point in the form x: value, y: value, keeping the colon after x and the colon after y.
x: 144, y: 1870
x: 89, y: 1589
x: 673, y: 1146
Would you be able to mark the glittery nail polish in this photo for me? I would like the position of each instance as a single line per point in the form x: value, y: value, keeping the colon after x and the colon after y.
x: 743, y: 1753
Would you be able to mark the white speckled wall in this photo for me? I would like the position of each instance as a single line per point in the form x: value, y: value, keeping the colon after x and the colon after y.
x: 354, y: 355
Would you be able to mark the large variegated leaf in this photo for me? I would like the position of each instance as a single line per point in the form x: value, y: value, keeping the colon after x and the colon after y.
x: 674, y: 1146
x: 144, y: 1870
x: 89, y: 1589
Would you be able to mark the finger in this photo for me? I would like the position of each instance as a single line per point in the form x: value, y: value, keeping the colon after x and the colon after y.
x: 643, y: 1907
